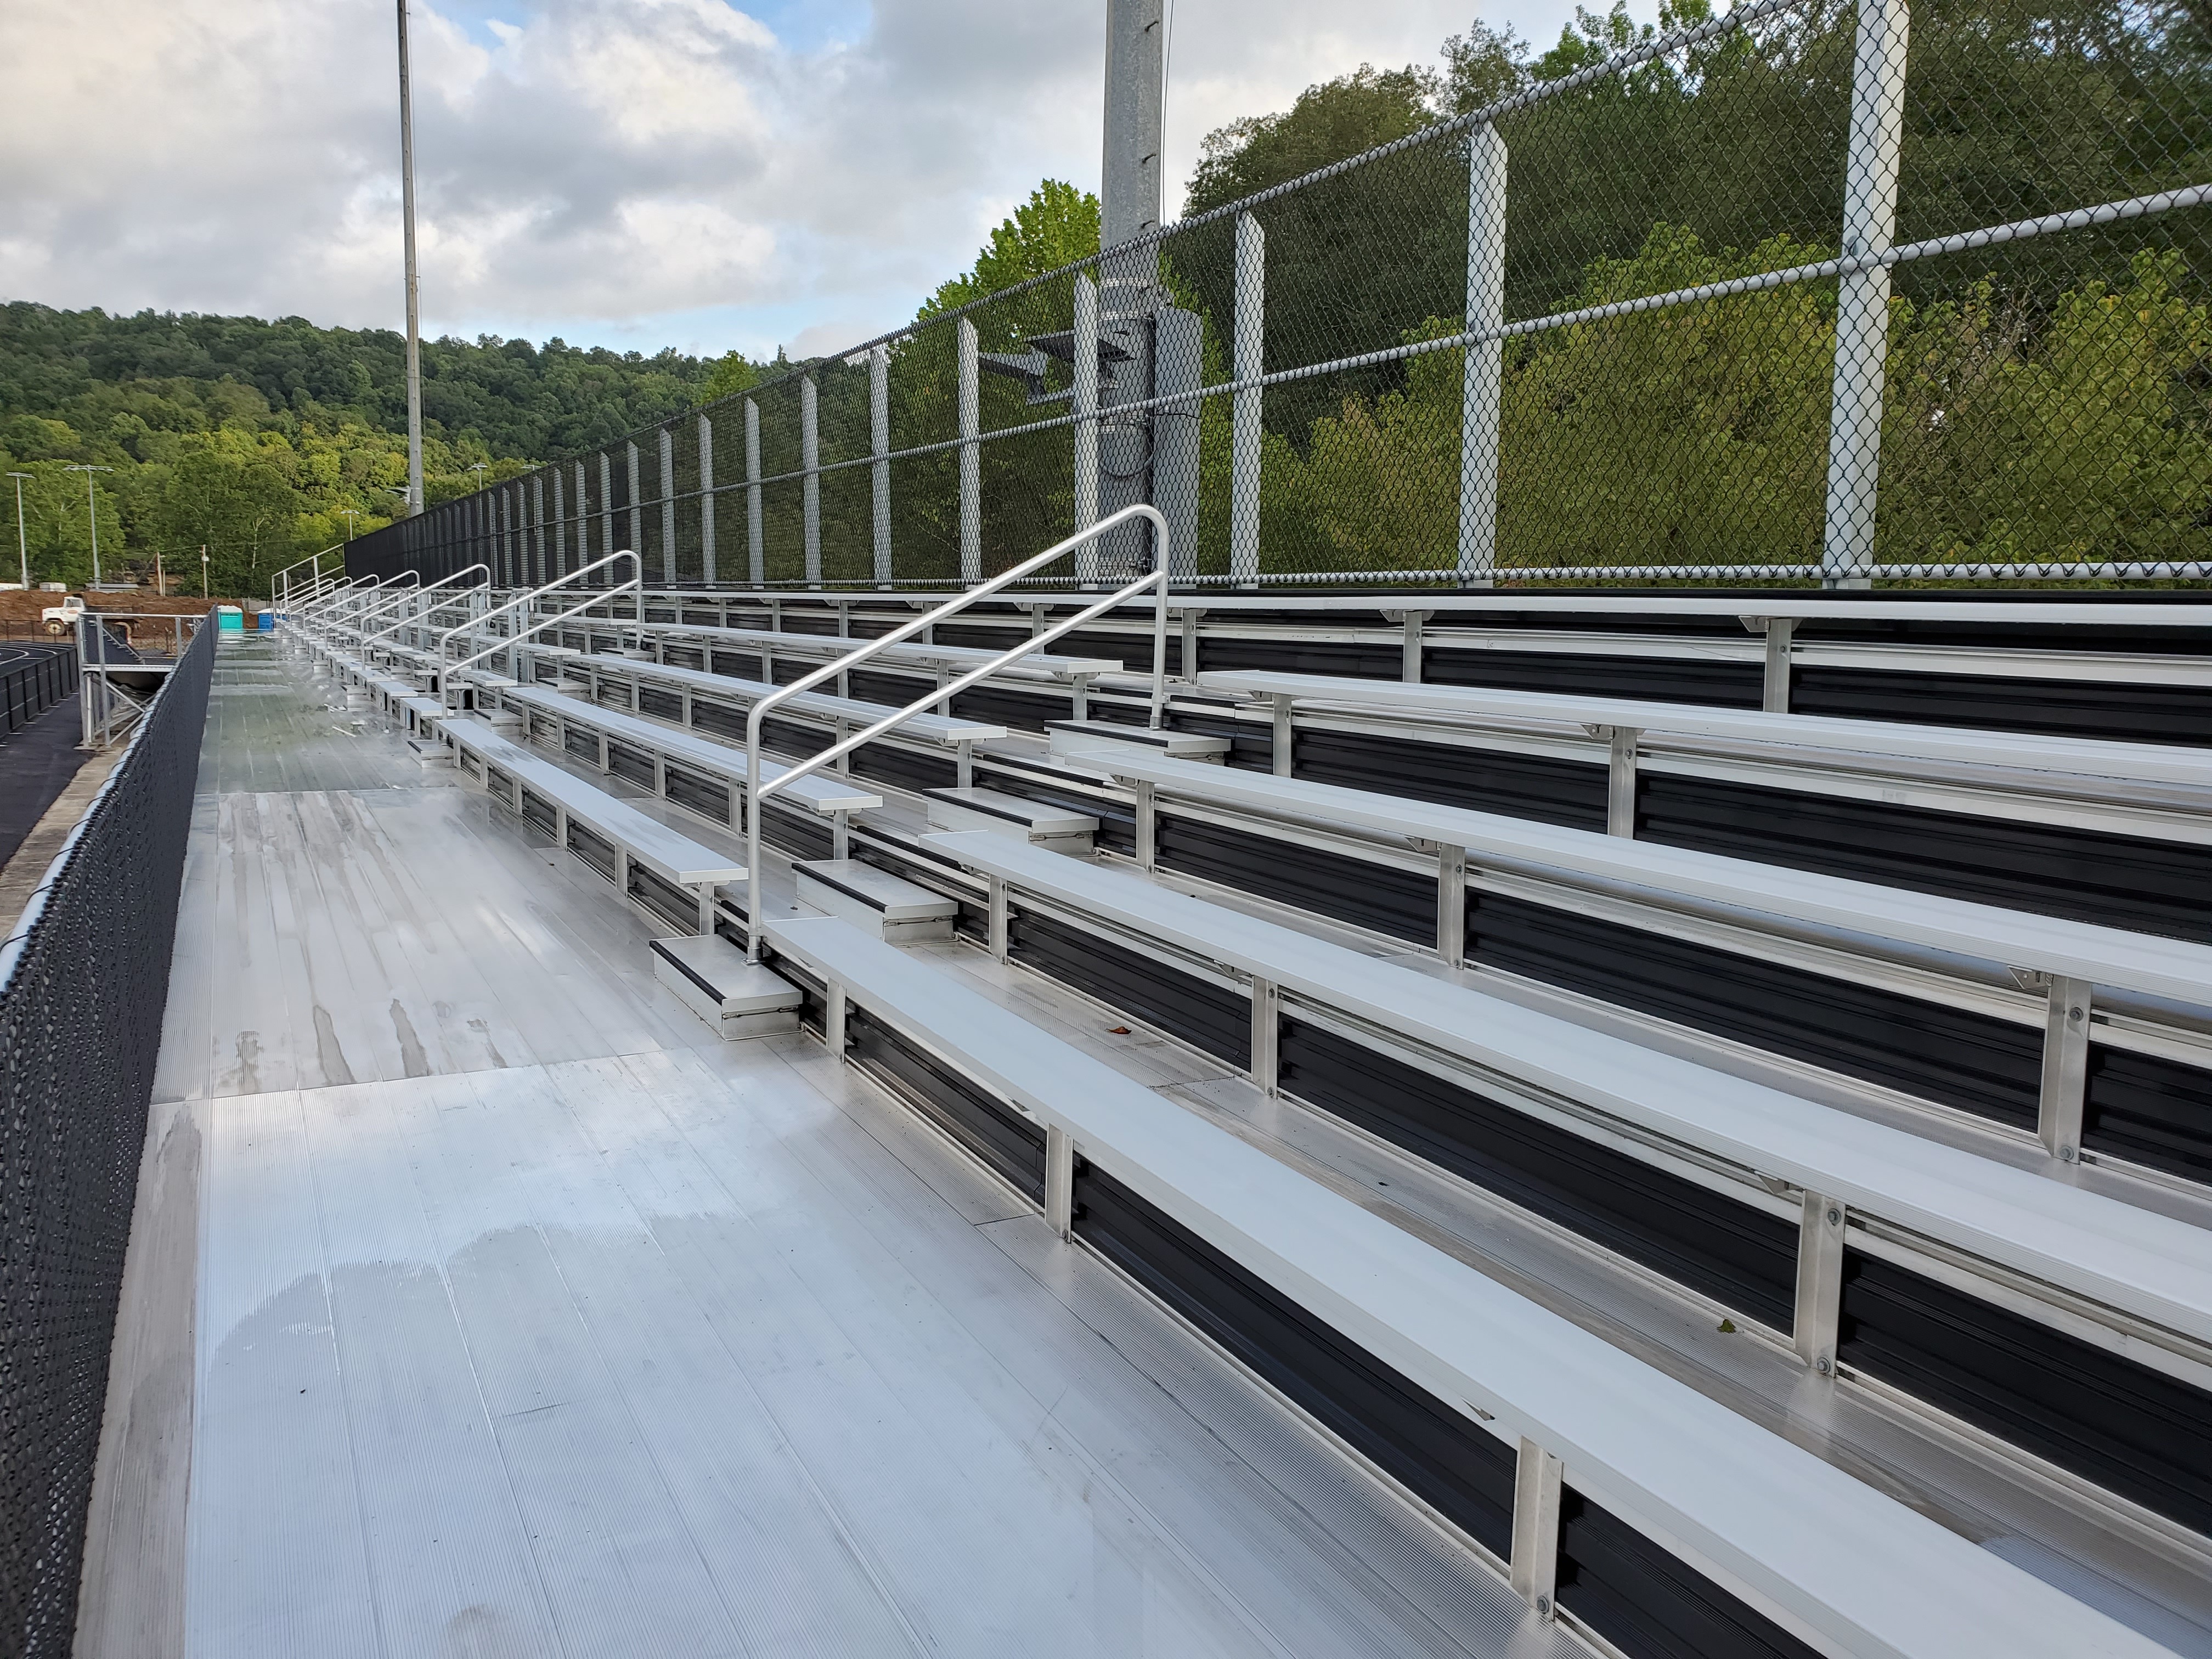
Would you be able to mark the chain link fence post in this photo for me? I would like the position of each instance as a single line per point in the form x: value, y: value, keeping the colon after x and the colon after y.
x: 667, y: 507
x: 1249, y: 356
x: 538, y: 528
x: 560, y: 524
x: 756, y: 554
x: 1862, y: 294
x: 583, y: 517
x: 708, y: 562
x: 1084, y: 406
x: 1481, y: 382
x: 971, y: 457
x: 879, y: 445
x: 809, y: 461
x: 637, y: 511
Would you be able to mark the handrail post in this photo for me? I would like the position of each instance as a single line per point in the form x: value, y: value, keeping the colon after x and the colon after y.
x: 758, y: 789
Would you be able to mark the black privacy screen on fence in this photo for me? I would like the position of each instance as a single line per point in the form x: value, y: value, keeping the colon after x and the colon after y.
x: 83, y: 982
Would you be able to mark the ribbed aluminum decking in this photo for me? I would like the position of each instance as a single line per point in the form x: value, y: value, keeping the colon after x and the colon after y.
x: 483, y: 1302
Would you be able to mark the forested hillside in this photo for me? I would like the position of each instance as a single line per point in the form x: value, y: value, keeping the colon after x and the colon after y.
x: 263, y: 441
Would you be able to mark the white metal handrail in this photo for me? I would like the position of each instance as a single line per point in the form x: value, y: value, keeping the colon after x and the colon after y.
x: 344, y: 586
x: 285, y: 575
x: 506, y: 642
x: 759, y: 789
x: 402, y: 622
x: 315, y: 592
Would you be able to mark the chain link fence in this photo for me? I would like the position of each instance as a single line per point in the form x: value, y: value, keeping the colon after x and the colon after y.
x: 1809, y: 291
x: 84, y: 978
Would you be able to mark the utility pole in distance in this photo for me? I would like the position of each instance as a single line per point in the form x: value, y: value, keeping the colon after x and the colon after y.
x: 22, y: 536
x: 414, y: 312
x: 91, y: 509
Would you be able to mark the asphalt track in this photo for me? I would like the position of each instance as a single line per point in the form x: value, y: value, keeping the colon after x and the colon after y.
x: 36, y: 764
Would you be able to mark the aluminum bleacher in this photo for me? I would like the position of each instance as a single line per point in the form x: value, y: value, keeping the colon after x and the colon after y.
x: 1918, y: 1103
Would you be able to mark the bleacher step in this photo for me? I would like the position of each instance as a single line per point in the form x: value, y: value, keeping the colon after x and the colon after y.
x: 1071, y: 739
x: 1040, y: 822
x: 880, y: 904
x: 738, y: 998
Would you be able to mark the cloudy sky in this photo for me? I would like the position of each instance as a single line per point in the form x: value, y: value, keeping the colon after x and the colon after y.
x: 630, y: 172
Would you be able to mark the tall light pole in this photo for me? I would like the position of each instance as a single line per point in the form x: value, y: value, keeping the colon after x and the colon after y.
x: 91, y: 509
x: 22, y: 536
x: 414, y: 323
x: 349, y: 514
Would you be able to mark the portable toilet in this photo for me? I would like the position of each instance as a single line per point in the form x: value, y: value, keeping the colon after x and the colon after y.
x: 229, y: 619
x: 264, y: 620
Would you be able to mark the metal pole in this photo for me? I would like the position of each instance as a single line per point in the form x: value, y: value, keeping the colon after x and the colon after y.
x: 636, y: 511
x: 880, y: 443
x: 560, y: 560
x: 606, y: 506
x: 414, y: 297
x: 756, y: 554
x: 810, y: 458
x: 1862, y: 296
x: 667, y: 507
x: 1083, y: 406
x: 971, y: 458
x: 1248, y: 355
x: 537, y: 530
x: 22, y: 535
x: 1128, y: 280
x: 707, y: 563
x: 1481, y: 386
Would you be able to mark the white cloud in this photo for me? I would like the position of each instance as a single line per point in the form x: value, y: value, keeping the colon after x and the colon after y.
x: 620, y: 170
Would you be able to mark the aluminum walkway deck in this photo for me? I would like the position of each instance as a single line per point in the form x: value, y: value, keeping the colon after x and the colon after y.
x: 482, y: 1302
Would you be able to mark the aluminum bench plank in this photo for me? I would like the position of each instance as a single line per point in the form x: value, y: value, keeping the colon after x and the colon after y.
x: 2139, y: 763
x: 670, y: 853
x: 1851, y: 1570
x: 937, y: 728
x: 2150, y: 1264
x: 2146, y: 962
x: 1044, y: 665
x: 821, y: 793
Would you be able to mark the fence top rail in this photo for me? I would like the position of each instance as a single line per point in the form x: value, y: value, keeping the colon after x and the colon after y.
x: 2119, y: 611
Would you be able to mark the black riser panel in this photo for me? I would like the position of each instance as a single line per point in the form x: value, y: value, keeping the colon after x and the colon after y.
x: 736, y: 664
x: 1656, y: 679
x: 631, y: 765
x: 661, y: 705
x: 1571, y: 793
x: 2087, y: 875
x: 704, y: 796
x: 2133, y: 714
x: 802, y: 834
x: 1977, y: 1063
x: 1002, y: 1139
x: 904, y: 768
x: 2150, y: 1110
x: 584, y: 745
x: 1648, y: 1603
x: 1742, y: 1257
x: 894, y: 690
x: 678, y: 907
x: 683, y: 656
x: 1023, y: 711
x: 1401, y: 904
x: 1465, y: 1473
x: 1346, y: 659
x: 2127, y: 1428
x: 1205, y: 1015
